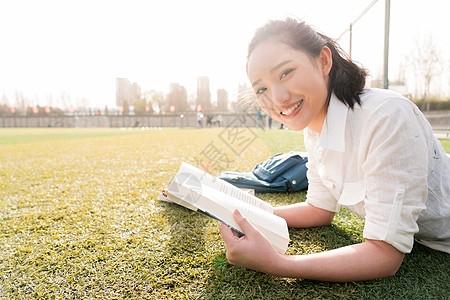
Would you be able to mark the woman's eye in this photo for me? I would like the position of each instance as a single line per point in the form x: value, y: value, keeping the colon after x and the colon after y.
x: 285, y: 73
x: 260, y: 91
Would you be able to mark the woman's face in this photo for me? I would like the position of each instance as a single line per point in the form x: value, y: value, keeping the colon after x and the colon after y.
x: 290, y: 85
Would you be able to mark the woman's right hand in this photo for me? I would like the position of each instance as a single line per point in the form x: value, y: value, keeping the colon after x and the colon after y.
x: 253, y: 250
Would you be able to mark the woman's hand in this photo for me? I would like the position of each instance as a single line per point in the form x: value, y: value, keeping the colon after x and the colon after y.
x: 253, y: 250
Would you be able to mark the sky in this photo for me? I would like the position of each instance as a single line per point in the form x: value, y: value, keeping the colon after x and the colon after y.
x: 79, y: 48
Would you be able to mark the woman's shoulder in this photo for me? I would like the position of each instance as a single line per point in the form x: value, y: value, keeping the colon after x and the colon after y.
x: 388, y: 108
x: 373, y: 99
x: 370, y: 95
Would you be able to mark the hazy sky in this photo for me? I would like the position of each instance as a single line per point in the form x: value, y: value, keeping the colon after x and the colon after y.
x: 80, y: 47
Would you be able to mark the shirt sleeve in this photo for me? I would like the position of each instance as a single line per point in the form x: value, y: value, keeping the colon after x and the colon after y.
x: 318, y: 194
x: 395, y: 173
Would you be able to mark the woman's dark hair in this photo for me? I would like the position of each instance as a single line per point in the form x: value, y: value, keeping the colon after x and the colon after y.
x: 347, y: 79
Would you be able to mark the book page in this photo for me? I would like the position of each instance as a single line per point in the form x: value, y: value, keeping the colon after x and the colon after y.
x: 222, y: 206
x: 177, y: 199
x: 197, y: 178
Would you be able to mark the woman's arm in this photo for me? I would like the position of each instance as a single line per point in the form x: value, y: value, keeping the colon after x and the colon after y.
x: 365, y: 261
x: 304, y: 215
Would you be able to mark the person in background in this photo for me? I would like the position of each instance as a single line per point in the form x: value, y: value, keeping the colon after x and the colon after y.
x: 219, y: 120
x: 259, y: 119
x: 369, y: 150
x: 199, y: 119
x: 269, y: 121
x: 209, y: 120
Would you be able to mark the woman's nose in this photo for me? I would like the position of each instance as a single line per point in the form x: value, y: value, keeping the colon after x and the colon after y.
x: 280, y: 95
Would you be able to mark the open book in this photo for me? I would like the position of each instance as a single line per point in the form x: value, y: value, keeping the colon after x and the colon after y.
x: 200, y: 191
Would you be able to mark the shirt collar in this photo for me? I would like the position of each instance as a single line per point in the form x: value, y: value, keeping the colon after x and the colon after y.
x: 333, y: 129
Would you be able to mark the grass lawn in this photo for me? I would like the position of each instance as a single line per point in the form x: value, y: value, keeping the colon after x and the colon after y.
x: 80, y: 219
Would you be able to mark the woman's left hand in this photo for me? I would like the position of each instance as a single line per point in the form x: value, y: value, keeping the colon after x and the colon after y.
x: 253, y: 250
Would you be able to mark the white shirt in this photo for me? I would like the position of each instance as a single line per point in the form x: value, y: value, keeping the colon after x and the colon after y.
x: 382, y: 162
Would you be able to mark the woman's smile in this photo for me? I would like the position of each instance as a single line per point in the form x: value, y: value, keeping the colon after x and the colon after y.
x: 293, y: 110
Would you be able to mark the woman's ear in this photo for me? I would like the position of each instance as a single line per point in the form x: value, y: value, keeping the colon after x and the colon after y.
x: 326, y: 61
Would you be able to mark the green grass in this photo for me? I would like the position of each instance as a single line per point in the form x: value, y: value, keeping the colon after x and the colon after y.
x: 446, y: 145
x: 26, y: 135
x: 80, y: 219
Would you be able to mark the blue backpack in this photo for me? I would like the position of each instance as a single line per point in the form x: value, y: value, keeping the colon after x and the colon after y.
x: 285, y: 172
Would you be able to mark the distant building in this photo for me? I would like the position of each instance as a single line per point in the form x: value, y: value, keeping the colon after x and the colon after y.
x: 203, y: 93
x: 177, y: 97
x: 127, y: 92
x: 222, y: 100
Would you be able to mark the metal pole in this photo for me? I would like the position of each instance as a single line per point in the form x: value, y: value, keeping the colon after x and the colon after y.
x: 351, y: 38
x: 386, y: 45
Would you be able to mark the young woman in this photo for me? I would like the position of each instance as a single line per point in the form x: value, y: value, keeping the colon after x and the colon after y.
x: 370, y: 150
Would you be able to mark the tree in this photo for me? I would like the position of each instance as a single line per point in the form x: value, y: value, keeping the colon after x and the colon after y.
x: 427, y: 65
x: 155, y: 100
x: 4, y: 100
x: 139, y: 106
x: 4, y: 109
x: 222, y: 100
x: 21, y: 102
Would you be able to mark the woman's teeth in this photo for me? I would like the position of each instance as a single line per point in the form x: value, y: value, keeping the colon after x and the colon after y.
x: 291, y: 110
